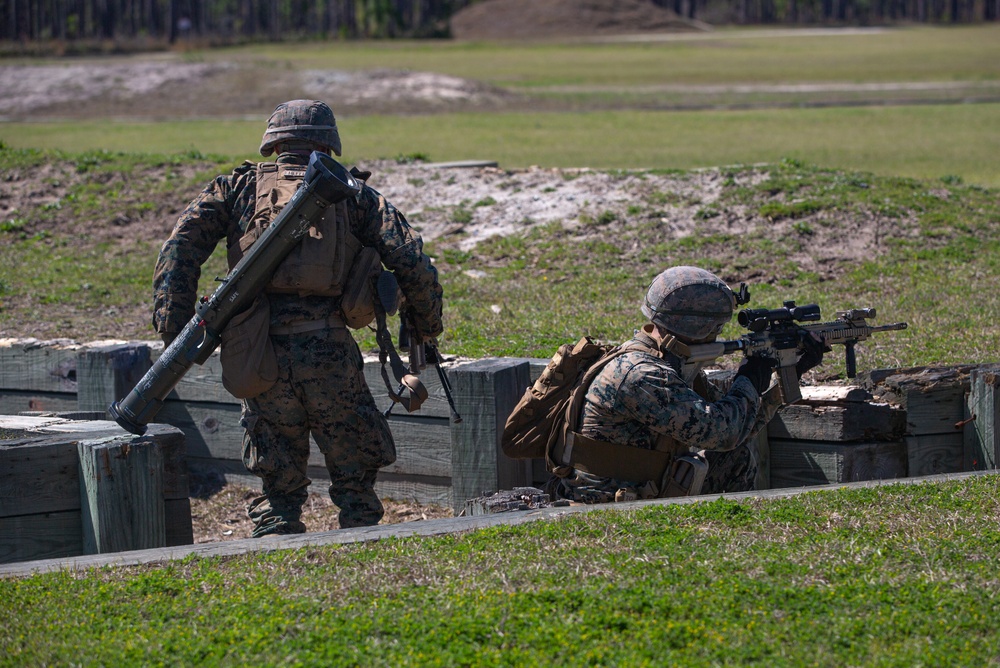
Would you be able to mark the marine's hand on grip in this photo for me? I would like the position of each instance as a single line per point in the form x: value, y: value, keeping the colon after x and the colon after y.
x: 758, y: 371
x: 812, y: 347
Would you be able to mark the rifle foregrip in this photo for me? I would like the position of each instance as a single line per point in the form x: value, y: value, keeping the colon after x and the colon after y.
x: 851, y: 360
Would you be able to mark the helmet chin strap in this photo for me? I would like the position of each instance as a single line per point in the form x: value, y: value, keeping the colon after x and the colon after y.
x: 667, y: 342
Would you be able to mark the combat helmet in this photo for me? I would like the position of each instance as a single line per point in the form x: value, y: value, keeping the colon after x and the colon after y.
x: 690, y: 303
x: 305, y: 120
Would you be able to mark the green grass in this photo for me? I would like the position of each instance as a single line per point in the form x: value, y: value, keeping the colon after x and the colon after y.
x: 915, y: 141
x: 892, y: 576
x: 938, y: 254
x: 889, y: 576
x: 940, y: 250
x: 967, y: 53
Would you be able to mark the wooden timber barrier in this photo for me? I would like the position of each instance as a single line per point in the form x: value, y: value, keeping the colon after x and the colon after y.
x: 892, y: 423
x: 437, y: 462
x: 72, y: 487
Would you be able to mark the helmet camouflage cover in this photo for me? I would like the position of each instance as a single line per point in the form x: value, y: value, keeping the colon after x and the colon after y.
x: 303, y: 120
x: 690, y: 303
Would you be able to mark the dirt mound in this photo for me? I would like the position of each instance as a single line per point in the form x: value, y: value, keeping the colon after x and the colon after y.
x: 532, y: 19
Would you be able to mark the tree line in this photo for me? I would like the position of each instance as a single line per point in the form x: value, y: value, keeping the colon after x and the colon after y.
x: 229, y: 21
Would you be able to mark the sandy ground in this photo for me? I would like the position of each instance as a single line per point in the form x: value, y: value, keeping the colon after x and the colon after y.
x: 167, y: 87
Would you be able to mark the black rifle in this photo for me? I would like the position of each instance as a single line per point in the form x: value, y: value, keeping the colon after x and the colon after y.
x: 326, y: 183
x: 419, y: 355
x: 777, y: 335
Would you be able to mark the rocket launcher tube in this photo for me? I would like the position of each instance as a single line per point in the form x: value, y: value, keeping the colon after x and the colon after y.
x: 326, y: 182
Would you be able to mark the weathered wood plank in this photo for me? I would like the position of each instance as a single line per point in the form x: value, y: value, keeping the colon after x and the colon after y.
x: 931, y: 454
x: 795, y: 463
x: 38, y: 475
x: 42, y: 536
x: 210, y: 429
x: 203, y: 383
x: 933, y: 397
x: 423, y: 446
x: 177, y: 517
x: 982, y: 441
x: 51, y: 535
x: 13, y: 402
x: 121, y: 495
x: 844, y: 421
x: 414, y: 489
x: 40, y: 441
x: 106, y: 371
x: 486, y: 391
x: 31, y: 365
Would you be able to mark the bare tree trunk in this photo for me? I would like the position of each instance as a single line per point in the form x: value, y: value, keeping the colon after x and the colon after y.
x: 274, y: 20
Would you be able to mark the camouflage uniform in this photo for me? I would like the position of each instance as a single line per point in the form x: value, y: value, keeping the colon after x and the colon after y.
x: 320, y: 389
x: 640, y: 397
x: 641, y: 400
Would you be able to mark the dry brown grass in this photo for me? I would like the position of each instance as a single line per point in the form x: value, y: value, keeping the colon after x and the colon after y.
x: 222, y: 515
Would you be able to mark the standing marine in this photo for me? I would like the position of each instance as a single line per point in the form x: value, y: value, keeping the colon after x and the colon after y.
x: 646, y: 411
x: 312, y: 383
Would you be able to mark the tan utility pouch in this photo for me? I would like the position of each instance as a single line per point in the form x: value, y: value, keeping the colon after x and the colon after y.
x: 358, y: 303
x: 249, y: 365
x: 612, y: 460
x: 685, y: 477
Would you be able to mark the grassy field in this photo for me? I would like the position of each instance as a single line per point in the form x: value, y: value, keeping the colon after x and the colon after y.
x: 725, y: 56
x: 892, y: 576
x: 915, y: 141
x: 621, y: 105
x: 938, y: 250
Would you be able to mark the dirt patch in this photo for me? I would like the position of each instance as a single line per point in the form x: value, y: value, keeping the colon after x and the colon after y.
x: 169, y: 88
x: 222, y: 515
x: 531, y: 19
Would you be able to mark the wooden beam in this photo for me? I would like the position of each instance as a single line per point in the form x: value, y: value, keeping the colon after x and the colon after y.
x: 31, y: 365
x: 935, y: 453
x: 831, y: 413
x: 795, y: 463
x: 14, y: 402
x: 42, y: 536
x: 107, y: 371
x: 982, y: 442
x: 485, y: 393
x: 933, y: 397
x: 763, y: 479
x: 121, y: 494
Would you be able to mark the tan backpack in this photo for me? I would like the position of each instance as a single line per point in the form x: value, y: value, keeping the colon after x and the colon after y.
x: 539, y: 420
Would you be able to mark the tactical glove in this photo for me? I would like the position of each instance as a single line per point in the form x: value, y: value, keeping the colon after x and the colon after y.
x: 758, y: 371
x: 813, y: 348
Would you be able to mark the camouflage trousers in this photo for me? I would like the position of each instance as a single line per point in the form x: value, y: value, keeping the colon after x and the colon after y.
x: 731, y: 471
x: 321, y: 391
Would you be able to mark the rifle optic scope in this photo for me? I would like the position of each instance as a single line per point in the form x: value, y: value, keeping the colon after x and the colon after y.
x: 757, y: 319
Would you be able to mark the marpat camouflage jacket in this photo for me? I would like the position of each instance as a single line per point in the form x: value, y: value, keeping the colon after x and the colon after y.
x: 224, y: 209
